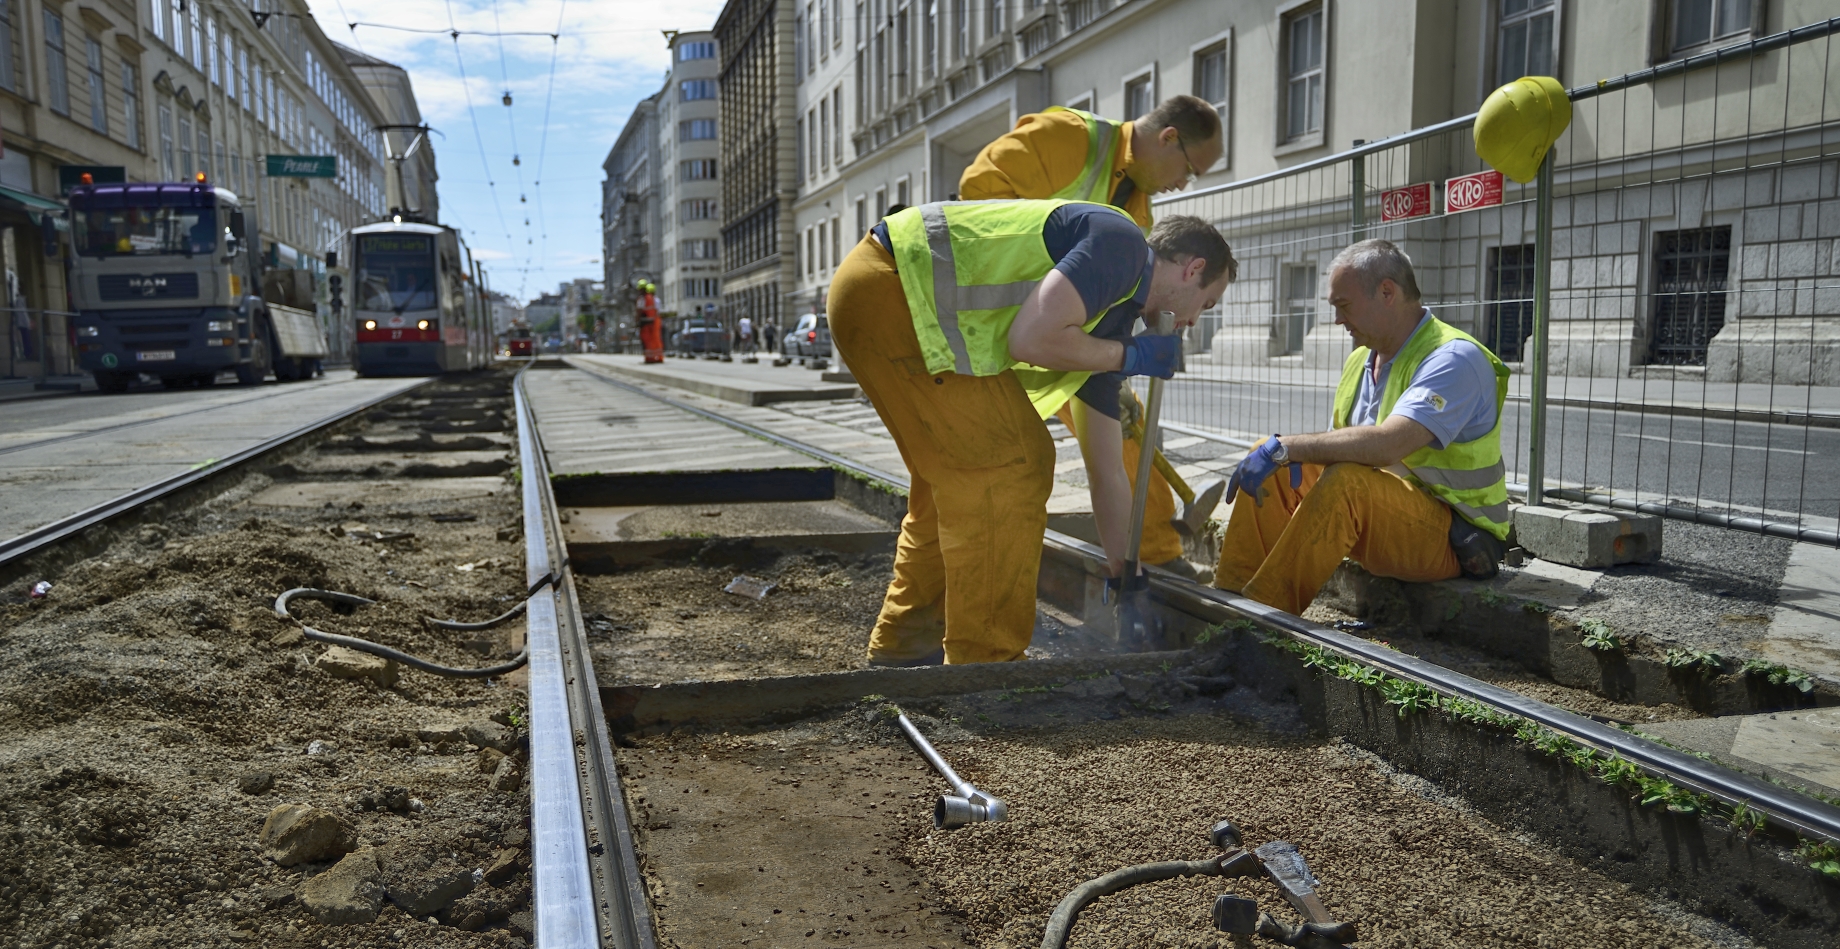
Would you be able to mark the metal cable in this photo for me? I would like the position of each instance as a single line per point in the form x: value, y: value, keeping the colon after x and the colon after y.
x: 376, y: 649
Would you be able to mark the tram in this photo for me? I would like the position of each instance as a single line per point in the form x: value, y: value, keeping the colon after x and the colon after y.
x: 417, y: 301
x: 518, y: 340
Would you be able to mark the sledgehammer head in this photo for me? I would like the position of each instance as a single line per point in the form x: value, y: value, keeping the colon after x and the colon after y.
x: 954, y: 810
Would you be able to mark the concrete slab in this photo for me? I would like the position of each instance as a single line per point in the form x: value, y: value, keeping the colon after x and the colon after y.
x: 1805, y: 632
x: 740, y: 382
x: 759, y: 519
x: 1553, y: 584
x: 341, y: 493
x: 1799, y: 748
x: 1587, y: 537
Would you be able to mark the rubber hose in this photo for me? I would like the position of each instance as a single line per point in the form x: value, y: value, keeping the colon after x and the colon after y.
x: 1060, y: 923
x: 498, y: 620
x: 377, y: 649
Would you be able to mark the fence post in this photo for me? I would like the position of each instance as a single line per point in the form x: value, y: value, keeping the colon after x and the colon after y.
x: 1542, y: 317
x: 1357, y: 197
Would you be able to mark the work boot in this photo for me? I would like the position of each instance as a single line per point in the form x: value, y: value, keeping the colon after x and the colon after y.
x: 935, y: 658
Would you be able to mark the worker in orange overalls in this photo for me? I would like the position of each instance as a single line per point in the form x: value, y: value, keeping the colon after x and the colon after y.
x: 1075, y: 155
x: 651, y: 331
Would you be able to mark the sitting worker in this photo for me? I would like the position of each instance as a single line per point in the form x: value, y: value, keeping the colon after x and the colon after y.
x: 933, y: 311
x: 1067, y: 153
x: 1409, y: 482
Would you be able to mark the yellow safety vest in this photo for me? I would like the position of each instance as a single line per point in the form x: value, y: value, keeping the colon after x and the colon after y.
x: 1468, y: 476
x: 1104, y: 140
x: 965, y: 268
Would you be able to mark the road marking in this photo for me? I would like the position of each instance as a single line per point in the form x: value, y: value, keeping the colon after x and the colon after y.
x: 1691, y: 441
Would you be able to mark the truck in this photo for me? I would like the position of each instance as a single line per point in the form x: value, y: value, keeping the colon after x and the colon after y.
x: 165, y: 282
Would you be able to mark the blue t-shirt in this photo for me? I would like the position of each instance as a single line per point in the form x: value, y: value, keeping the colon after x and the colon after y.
x: 1452, y: 393
x: 1104, y: 255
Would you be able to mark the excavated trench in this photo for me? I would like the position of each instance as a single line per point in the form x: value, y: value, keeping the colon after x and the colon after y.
x: 178, y: 767
x: 773, y: 804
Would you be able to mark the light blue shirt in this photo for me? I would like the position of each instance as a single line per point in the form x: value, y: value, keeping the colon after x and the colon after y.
x: 1452, y: 394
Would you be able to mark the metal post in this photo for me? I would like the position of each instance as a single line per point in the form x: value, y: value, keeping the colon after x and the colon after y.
x: 1357, y: 209
x: 1542, y: 317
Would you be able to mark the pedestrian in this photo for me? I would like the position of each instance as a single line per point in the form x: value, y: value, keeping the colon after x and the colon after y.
x: 1409, y: 481
x: 744, y: 334
x: 932, y: 312
x: 1072, y: 154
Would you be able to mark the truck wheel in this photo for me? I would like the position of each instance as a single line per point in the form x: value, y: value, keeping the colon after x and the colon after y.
x: 113, y: 381
x: 255, y: 371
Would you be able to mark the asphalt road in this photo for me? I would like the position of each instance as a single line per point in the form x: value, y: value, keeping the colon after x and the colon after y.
x: 64, y: 455
x: 1718, y: 462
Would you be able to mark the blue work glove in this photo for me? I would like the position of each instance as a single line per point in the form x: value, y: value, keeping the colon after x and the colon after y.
x: 1152, y: 355
x: 1262, y: 463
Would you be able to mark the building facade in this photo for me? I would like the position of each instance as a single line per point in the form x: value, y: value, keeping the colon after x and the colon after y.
x: 690, y: 194
x: 413, y: 190
x: 630, y: 212
x: 756, y: 42
x: 163, y: 91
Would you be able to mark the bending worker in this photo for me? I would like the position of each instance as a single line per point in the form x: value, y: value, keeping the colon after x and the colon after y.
x: 1409, y: 482
x: 1067, y: 153
x: 932, y: 311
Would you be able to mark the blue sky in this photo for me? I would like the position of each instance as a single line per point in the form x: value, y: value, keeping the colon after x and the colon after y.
x: 611, y: 54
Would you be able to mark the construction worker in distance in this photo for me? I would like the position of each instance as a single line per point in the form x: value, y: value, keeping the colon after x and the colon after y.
x: 651, y: 331
x: 1409, y: 481
x: 1071, y: 154
x: 933, y: 311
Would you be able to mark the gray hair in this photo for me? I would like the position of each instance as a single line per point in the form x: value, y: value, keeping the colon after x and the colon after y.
x: 1375, y: 260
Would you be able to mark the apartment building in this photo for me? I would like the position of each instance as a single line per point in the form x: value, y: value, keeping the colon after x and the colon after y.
x: 894, y: 98
x: 630, y: 206
x: 413, y: 190
x: 160, y: 92
x: 756, y: 42
x: 690, y: 194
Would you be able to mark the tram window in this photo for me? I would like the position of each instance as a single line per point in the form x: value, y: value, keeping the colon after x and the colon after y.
x: 116, y: 232
x: 396, y: 273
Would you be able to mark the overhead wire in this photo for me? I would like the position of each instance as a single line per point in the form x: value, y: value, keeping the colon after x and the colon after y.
x: 504, y: 74
x: 478, y: 138
x: 549, y: 94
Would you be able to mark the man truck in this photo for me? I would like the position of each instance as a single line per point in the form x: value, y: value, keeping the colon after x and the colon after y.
x: 164, y: 282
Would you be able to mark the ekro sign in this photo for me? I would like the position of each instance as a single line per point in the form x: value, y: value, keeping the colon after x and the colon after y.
x: 1469, y: 192
x: 1402, y: 204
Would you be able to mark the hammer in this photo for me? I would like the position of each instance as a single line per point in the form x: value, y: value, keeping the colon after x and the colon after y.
x: 1196, y: 508
x: 966, y: 804
x: 1284, y: 865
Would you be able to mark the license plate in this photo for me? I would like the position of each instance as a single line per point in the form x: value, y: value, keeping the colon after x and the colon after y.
x: 155, y: 355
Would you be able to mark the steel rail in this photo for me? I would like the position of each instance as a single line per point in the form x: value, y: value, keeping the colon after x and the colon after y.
x: 1804, y: 814
x: 1713, y: 57
x: 586, y: 888
x: 36, y: 541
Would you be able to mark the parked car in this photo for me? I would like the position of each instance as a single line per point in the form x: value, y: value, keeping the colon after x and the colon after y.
x: 696, y: 337
x: 809, y: 340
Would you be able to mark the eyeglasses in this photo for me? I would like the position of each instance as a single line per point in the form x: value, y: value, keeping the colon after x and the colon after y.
x: 1192, y: 173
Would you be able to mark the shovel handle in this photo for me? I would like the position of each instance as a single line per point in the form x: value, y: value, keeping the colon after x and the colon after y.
x: 1163, y: 324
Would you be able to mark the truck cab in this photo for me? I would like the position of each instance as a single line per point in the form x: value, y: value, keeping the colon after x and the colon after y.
x: 164, y: 283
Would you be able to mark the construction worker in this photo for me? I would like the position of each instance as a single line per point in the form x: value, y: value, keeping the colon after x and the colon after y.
x: 933, y: 311
x: 1067, y: 153
x: 651, y: 331
x: 1409, y: 482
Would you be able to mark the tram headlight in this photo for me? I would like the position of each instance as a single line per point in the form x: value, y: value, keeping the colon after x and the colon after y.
x: 422, y: 325
x: 370, y: 324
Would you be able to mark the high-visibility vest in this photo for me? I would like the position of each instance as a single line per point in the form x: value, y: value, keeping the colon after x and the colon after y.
x: 1468, y: 476
x: 965, y: 268
x: 1105, y: 140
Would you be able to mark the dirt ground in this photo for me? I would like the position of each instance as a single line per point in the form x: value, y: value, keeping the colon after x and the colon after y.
x: 821, y: 833
x: 153, y: 712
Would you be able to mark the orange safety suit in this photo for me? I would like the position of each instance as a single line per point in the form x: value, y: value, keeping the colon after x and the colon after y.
x: 651, y: 331
x: 1043, y: 154
x: 982, y: 465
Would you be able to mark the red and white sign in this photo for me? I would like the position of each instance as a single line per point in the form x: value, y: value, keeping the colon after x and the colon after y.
x: 1469, y: 192
x: 1405, y: 203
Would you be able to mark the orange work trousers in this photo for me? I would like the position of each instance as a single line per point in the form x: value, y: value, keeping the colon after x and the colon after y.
x: 1282, y: 552
x: 1161, y: 543
x: 982, y: 466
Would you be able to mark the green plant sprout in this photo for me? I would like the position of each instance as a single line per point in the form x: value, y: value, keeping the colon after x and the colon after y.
x: 1598, y: 636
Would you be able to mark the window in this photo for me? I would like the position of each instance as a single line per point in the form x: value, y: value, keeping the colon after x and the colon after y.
x: 810, y: 236
x: 929, y: 39
x: 210, y: 52
x: 811, y: 39
x: 995, y: 19
x: 221, y: 72
x: 1082, y: 102
x: 824, y: 132
x: 811, y: 145
x: 862, y: 217
x: 961, y: 28
x: 689, y: 51
x: 700, y: 169
x: 185, y: 149
x: 824, y: 29
x: 56, y: 69
x: 204, y: 152
x: 699, y: 209
x: 159, y: 18
x: 901, y: 192
x: 242, y: 75
x: 1691, y: 272
x: 1524, y: 44
x: 691, y: 90
x: 837, y: 129
x: 1211, y: 78
x: 169, y: 168
x: 881, y: 203
x: 131, y: 104
x: 235, y: 170
x: 799, y: 52
x: 98, y: 102
x: 696, y: 130
x: 1508, y: 319
x: 704, y: 248
x: 836, y: 22
x: 1299, y: 305
x: 836, y: 241
x: 1303, y: 71
x: 7, y: 80
x: 1699, y: 22
x: 192, y: 31
x: 1139, y: 96
x: 799, y: 134
x: 861, y: 89
x: 903, y: 48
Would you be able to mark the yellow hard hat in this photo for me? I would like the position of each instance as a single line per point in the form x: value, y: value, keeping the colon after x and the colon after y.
x: 1518, y: 124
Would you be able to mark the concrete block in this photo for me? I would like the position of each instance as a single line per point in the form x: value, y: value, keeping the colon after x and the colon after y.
x: 1587, y: 539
